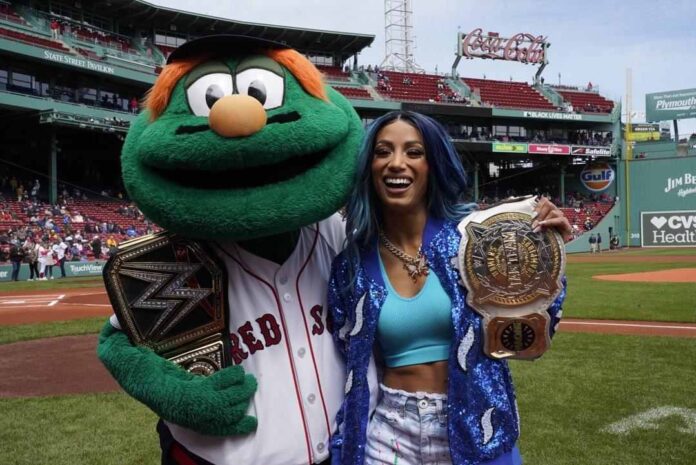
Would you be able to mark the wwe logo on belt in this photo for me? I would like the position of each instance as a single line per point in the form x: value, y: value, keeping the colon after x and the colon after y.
x: 166, y: 293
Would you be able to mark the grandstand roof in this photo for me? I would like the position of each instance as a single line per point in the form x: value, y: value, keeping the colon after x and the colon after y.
x: 306, y: 40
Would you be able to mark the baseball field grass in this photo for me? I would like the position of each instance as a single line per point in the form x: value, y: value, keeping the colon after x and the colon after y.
x: 61, y: 283
x: 568, y: 401
x: 16, y: 333
x: 592, y: 298
x: 593, y: 399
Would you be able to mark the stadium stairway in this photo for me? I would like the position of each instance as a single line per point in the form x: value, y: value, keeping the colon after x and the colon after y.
x: 587, y: 101
x: 551, y: 94
x: 458, y: 85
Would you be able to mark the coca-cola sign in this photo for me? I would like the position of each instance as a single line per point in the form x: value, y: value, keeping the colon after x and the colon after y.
x: 522, y: 47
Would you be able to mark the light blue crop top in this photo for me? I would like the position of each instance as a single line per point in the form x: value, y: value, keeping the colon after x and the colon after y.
x: 416, y: 329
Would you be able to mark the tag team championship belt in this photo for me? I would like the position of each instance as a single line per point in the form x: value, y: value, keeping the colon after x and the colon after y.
x: 513, y: 275
x: 169, y: 294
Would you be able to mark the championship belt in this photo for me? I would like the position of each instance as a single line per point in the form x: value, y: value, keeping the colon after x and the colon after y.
x: 169, y: 294
x: 513, y: 275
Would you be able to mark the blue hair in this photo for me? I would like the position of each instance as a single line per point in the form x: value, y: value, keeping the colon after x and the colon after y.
x: 447, y: 181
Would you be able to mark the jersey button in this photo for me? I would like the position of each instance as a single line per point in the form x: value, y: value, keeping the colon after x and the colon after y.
x: 320, y: 447
x: 301, y: 352
x: 423, y: 403
x: 311, y: 398
x: 287, y: 297
x: 283, y: 279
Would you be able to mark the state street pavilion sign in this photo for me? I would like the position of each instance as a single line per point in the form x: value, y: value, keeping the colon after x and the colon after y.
x: 675, y: 104
x: 521, y: 47
x: 79, y: 62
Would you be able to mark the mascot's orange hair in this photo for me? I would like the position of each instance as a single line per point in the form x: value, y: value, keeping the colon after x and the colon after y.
x: 304, y: 71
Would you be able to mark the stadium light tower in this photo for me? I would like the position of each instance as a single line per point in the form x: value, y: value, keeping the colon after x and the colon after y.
x: 398, y: 38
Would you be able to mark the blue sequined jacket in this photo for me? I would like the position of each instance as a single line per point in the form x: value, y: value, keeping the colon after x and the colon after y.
x: 483, y: 420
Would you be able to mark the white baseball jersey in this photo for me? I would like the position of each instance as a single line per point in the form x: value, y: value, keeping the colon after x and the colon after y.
x: 278, y: 333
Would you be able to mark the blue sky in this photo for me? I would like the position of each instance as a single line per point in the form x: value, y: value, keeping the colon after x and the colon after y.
x: 592, y: 40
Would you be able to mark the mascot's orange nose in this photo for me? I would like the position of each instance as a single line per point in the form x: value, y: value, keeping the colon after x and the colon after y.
x: 237, y: 116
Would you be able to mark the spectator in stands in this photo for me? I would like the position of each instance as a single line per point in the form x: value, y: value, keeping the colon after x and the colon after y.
x: 20, y: 192
x: 111, y: 242
x: 133, y: 105
x: 16, y: 258
x: 588, y: 224
x: 35, y: 189
x: 55, y: 29
x: 76, y: 251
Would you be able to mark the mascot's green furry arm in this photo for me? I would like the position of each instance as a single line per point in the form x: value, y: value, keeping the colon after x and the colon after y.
x: 248, y: 145
x: 174, y: 394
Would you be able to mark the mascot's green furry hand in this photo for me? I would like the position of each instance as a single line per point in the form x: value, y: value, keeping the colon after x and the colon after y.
x: 213, y: 405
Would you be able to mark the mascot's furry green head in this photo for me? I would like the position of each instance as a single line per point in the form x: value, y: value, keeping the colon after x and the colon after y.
x: 240, y: 138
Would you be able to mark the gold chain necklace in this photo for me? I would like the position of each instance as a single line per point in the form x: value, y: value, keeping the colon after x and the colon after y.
x: 414, y: 266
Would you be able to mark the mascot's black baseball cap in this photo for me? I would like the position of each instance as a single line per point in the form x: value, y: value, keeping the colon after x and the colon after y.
x: 219, y: 43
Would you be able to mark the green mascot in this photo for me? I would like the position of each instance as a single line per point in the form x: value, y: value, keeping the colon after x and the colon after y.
x: 243, y: 146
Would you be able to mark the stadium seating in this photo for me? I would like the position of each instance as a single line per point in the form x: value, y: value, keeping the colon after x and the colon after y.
x: 334, y: 73
x: 414, y: 87
x: 32, y: 40
x: 165, y: 49
x: 587, y: 101
x: 103, y: 38
x: 354, y: 92
x: 8, y: 14
x: 97, y: 211
x: 508, y: 94
x: 596, y: 210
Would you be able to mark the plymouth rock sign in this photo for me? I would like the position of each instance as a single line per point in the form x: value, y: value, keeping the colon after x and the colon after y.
x: 522, y: 47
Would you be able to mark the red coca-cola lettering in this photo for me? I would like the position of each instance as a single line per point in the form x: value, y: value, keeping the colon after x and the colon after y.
x: 522, y: 47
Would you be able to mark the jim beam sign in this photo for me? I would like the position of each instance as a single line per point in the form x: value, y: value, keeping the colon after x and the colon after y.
x: 668, y: 229
x: 522, y: 47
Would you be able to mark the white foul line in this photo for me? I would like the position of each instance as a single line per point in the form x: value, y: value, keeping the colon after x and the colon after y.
x: 627, y: 325
x: 52, y: 303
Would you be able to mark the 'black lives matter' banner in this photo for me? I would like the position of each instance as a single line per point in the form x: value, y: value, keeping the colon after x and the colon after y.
x: 668, y: 229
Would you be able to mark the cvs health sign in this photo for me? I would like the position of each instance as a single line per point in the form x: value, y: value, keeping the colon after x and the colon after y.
x: 668, y: 229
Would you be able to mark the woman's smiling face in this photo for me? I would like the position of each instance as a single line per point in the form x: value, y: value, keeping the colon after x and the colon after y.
x: 400, y: 167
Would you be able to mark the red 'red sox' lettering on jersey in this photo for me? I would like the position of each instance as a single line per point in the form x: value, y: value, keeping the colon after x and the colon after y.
x: 265, y: 332
x: 268, y: 330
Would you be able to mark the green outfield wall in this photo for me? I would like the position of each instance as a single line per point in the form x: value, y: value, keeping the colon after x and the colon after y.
x: 659, y: 182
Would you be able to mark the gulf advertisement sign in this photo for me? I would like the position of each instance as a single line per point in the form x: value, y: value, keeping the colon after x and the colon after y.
x: 597, y: 176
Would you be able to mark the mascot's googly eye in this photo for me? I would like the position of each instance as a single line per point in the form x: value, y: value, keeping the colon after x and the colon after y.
x: 266, y: 87
x: 207, y: 90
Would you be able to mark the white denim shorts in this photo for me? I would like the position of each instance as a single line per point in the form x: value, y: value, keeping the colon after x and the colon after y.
x: 410, y: 428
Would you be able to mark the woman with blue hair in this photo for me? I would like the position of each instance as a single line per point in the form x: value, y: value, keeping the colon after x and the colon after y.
x: 394, y: 294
